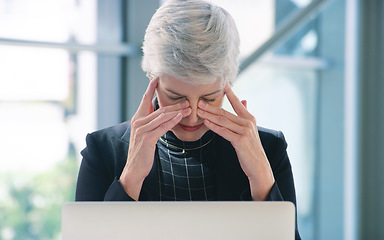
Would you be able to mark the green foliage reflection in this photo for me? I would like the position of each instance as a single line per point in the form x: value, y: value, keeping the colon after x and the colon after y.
x: 30, y: 205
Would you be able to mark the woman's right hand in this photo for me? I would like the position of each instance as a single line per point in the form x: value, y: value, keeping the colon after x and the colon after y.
x: 147, y: 126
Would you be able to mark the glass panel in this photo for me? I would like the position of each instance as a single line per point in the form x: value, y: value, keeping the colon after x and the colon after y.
x: 47, y: 106
x: 41, y: 138
x: 282, y: 98
x: 285, y: 99
x: 34, y: 74
x: 46, y: 20
x: 255, y: 22
x: 304, y: 42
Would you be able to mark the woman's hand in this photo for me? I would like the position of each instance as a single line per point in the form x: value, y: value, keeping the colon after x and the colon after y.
x: 241, y: 131
x: 147, y: 126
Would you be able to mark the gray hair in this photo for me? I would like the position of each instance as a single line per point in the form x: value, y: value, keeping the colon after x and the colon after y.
x: 193, y: 40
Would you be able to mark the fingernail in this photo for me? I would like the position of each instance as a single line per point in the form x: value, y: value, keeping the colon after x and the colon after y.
x: 184, y: 104
x: 199, y: 111
x: 202, y: 104
x: 186, y: 110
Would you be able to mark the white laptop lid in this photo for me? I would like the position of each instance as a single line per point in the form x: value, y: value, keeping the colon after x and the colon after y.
x: 178, y: 220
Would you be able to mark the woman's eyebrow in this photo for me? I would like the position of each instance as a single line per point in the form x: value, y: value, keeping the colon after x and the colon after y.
x: 212, y: 93
x: 205, y: 95
x: 169, y: 90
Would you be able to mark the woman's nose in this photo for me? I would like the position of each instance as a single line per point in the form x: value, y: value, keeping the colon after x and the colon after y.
x: 193, y: 118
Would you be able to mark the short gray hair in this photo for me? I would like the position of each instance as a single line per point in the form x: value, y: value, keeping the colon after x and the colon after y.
x: 193, y: 40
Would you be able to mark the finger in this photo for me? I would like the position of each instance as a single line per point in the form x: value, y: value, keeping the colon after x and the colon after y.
x: 239, y: 108
x: 165, y: 127
x: 244, y: 102
x: 171, y: 108
x: 223, y: 121
x: 162, y: 118
x: 220, y: 112
x: 222, y: 131
x: 175, y: 107
x: 146, y: 106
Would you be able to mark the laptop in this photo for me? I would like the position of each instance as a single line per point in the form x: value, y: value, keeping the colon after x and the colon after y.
x: 178, y: 220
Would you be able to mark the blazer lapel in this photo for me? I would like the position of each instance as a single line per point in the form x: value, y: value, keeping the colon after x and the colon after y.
x: 151, y: 186
x: 230, y: 178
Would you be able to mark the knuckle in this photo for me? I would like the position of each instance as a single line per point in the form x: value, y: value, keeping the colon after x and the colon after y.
x: 253, y: 119
x: 161, y: 115
x: 249, y: 125
x: 139, y: 131
x: 135, y: 123
x: 134, y: 118
x: 168, y: 115
x: 249, y: 132
x: 162, y: 109
x: 222, y: 119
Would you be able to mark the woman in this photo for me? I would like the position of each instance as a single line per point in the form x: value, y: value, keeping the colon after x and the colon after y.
x: 182, y: 145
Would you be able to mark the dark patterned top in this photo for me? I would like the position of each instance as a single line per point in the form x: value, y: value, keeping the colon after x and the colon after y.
x: 186, y: 175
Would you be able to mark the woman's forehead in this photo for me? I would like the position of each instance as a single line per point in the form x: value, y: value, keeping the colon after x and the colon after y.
x: 177, y: 86
x: 175, y: 81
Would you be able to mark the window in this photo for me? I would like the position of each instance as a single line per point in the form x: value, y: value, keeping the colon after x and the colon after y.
x: 73, y: 66
x: 47, y: 105
x: 293, y: 87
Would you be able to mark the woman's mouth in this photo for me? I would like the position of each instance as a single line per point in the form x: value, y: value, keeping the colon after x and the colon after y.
x: 191, y: 128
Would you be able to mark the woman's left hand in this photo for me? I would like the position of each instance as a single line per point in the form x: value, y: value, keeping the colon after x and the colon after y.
x: 241, y: 131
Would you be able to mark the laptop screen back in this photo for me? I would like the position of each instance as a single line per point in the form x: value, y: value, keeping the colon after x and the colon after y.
x: 178, y: 220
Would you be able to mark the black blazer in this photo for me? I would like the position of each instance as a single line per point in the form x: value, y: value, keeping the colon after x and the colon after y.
x: 106, y: 153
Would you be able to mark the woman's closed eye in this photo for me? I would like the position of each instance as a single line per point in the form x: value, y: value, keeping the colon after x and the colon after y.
x: 182, y: 98
x: 208, y: 100
x: 175, y: 98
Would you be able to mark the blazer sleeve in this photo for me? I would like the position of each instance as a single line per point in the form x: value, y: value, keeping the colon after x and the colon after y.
x: 284, y: 187
x: 96, y: 180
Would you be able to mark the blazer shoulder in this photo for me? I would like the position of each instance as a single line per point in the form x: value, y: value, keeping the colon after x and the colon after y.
x: 270, y: 137
x: 275, y: 147
x: 121, y: 131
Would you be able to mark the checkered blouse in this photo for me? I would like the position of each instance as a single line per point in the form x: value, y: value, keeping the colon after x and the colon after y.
x: 186, y: 175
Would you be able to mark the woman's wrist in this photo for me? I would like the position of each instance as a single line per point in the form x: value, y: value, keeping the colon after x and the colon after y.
x: 260, y: 188
x: 131, y: 184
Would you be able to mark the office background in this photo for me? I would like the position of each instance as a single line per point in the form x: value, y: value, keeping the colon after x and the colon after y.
x: 313, y: 69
